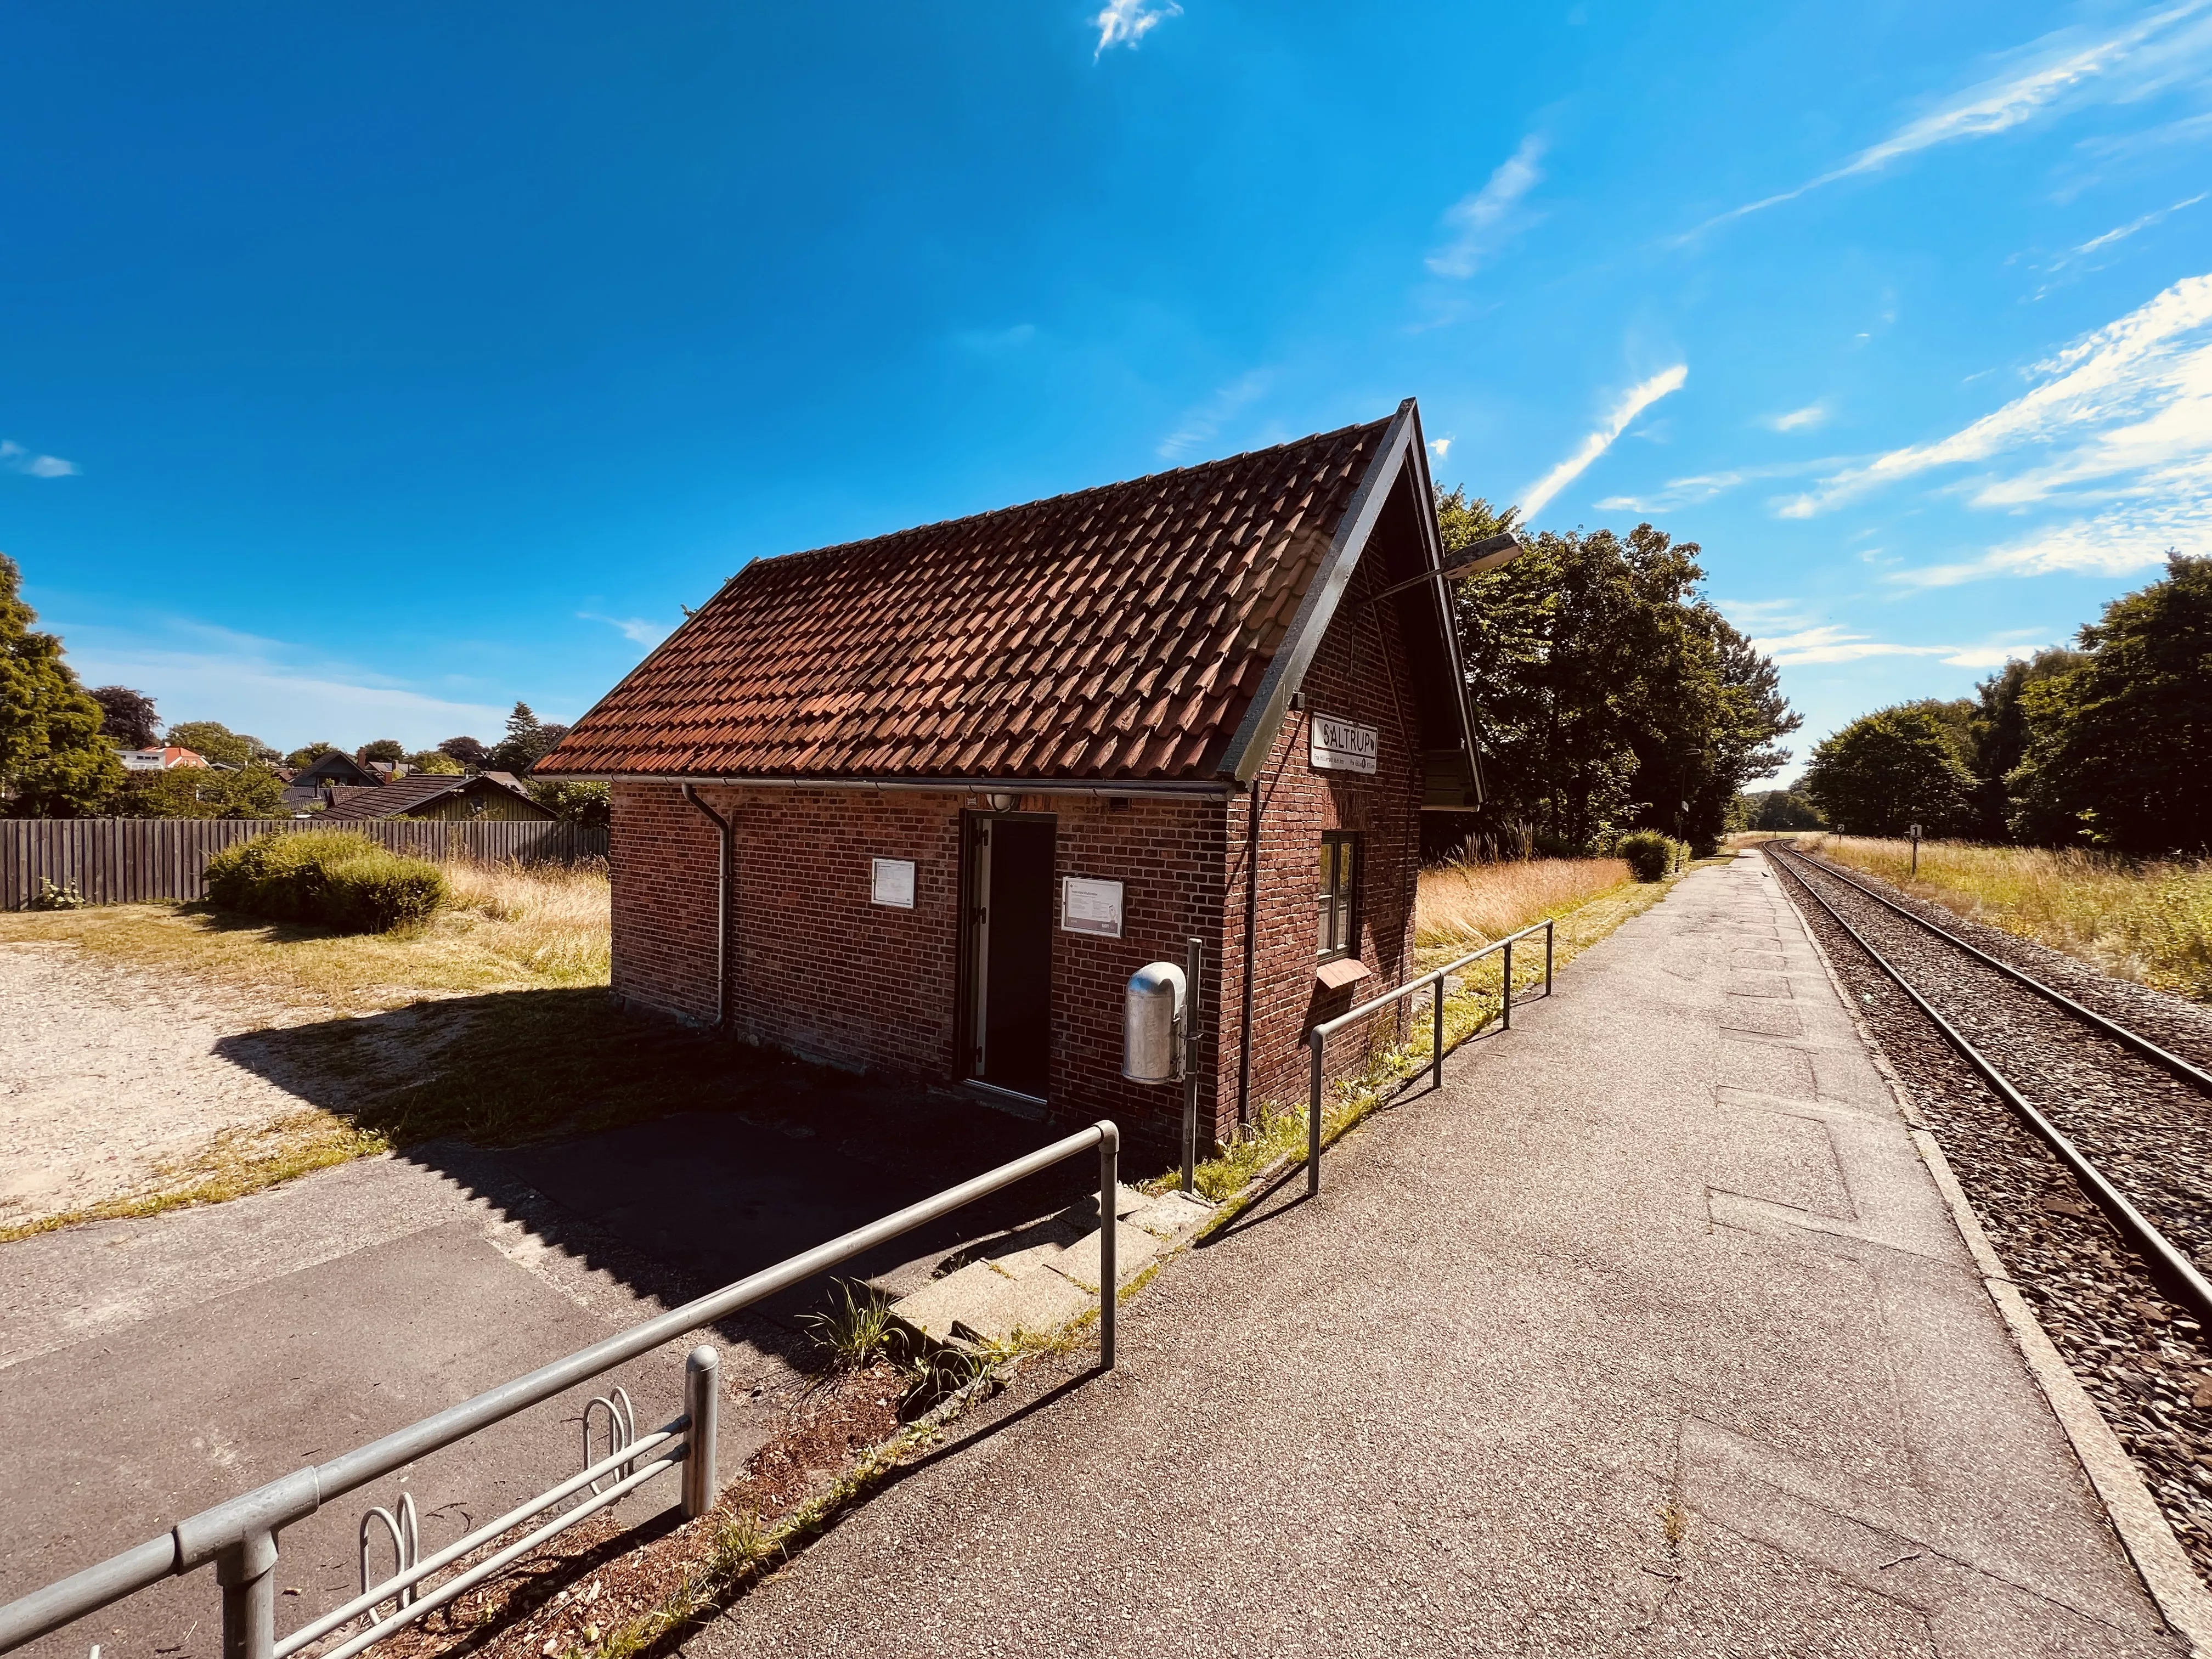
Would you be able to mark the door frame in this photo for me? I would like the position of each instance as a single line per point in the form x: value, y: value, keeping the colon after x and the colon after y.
x: 974, y: 954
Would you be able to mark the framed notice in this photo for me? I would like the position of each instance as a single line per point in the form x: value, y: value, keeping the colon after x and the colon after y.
x: 1091, y: 907
x: 891, y: 881
x: 1338, y: 746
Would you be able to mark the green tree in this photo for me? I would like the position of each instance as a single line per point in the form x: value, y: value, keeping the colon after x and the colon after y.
x: 1608, y: 695
x: 574, y: 803
x: 468, y: 752
x: 1999, y: 734
x: 388, y: 750
x: 213, y: 740
x: 436, y: 762
x: 1781, y: 809
x: 202, y: 792
x: 2119, y: 747
x: 527, y: 738
x: 53, y: 762
x: 308, y: 754
x: 127, y: 717
x: 1888, y: 770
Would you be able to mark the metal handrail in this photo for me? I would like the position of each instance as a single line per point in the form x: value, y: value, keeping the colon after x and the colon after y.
x: 239, y: 1535
x: 1317, y: 1039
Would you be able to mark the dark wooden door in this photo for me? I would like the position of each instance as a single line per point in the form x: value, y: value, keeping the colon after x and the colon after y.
x: 1016, y: 965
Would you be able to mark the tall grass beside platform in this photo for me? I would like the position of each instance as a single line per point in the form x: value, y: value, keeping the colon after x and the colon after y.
x: 1471, y: 904
x: 2150, y: 922
x: 1459, y: 907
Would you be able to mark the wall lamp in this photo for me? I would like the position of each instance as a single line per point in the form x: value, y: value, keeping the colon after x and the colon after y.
x: 1485, y: 555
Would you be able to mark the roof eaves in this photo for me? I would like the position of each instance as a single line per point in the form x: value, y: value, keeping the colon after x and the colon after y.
x: 1255, y: 734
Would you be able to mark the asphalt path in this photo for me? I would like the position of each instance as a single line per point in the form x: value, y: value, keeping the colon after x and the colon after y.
x: 1648, y: 1333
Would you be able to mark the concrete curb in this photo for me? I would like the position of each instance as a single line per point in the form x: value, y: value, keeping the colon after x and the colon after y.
x: 2164, y: 1566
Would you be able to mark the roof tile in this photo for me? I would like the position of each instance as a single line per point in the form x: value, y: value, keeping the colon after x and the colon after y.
x: 1115, y: 633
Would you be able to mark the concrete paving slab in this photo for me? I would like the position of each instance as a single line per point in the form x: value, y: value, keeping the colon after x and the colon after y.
x: 1642, y: 1336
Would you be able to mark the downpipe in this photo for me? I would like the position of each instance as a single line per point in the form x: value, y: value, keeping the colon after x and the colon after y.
x: 723, y: 829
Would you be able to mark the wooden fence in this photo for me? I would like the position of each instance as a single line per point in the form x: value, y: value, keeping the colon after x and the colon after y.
x: 130, y: 861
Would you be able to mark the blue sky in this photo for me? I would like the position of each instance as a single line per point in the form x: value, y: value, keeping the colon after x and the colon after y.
x: 366, y: 369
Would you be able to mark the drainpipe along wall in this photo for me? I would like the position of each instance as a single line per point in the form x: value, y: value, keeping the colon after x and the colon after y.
x: 722, y: 909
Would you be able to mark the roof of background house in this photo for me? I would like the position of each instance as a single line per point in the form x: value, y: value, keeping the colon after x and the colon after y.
x: 161, y: 757
x: 1150, y: 631
x: 397, y: 799
x: 325, y: 767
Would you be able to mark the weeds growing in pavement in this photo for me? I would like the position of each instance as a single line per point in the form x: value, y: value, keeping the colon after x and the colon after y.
x: 2149, y: 921
x: 857, y: 1331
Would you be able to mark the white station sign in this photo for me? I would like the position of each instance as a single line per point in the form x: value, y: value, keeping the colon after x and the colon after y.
x: 1343, y: 745
x: 1091, y: 907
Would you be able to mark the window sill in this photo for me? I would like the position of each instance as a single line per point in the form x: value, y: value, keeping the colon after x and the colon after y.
x: 1345, y: 970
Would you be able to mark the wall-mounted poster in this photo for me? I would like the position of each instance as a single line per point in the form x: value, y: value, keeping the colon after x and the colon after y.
x: 1338, y: 745
x: 891, y: 882
x: 1091, y: 907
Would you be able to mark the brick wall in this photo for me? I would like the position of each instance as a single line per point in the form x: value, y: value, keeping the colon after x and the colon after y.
x: 1358, y: 673
x: 817, y: 969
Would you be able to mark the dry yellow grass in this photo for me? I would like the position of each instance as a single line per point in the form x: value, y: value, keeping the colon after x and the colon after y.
x: 1458, y: 907
x: 509, y: 927
x: 2149, y: 922
x: 1474, y: 904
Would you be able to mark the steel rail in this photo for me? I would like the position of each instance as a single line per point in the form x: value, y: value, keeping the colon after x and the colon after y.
x: 2159, y: 1252
x: 2111, y: 1028
x: 238, y: 1534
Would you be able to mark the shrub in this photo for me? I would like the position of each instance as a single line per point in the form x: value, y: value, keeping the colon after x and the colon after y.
x: 334, y: 877
x: 1650, y: 855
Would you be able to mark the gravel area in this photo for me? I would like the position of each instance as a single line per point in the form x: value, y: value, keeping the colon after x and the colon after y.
x: 2144, y: 1360
x: 108, y: 1075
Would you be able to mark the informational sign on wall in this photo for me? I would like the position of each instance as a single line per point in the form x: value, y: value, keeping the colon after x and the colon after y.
x: 1091, y: 907
x: 892, y: 883
x: 1343, y: 745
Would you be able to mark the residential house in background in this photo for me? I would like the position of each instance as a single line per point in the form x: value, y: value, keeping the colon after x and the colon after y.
x: 160, y: 759
x: 497, y: 797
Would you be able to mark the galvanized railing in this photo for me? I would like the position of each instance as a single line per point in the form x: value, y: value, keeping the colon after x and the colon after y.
x: 239, y: 1535
x: 1317, y: 1039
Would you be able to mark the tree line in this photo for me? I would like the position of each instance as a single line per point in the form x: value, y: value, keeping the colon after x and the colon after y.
x: 2104, y: 746
x: 61, y: 746
x: 1609, y: 695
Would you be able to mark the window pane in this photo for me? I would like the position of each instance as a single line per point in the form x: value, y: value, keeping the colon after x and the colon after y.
x: 1327, y: 928
x: 1327, y: 866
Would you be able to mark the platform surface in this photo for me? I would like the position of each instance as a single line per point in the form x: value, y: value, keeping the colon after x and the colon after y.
x: 1648, y: 1333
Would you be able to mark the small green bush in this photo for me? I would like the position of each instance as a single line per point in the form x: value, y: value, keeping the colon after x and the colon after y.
x: 334, y: 877
x: 1650, y: 855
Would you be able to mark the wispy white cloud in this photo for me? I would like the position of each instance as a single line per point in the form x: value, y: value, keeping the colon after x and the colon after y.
x: 1440, y: 447
x: 1125, y: 22
x: 638, y: 629
x: 1634, y: 402
x: 2068, y: 67
x: 17, y: 459
x: 2133, y: 225
x: 1198, y: 425
x: 2121, y: 424
x: 283, y: 693
x: 1832, y: 643
x: 1703, y: 486
x: 1800, y: 419
x: 1479, y: 223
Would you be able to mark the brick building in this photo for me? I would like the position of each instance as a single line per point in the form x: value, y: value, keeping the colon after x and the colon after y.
x: 923, y: 803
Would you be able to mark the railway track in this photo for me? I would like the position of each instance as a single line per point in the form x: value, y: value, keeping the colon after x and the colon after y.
x: 2085, y: 1147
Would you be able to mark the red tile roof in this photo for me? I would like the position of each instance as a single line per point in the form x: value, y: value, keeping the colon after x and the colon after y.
x: 1115, y: 634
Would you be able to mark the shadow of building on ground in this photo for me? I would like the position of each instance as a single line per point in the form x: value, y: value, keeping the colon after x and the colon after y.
x: 673, y: 1159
